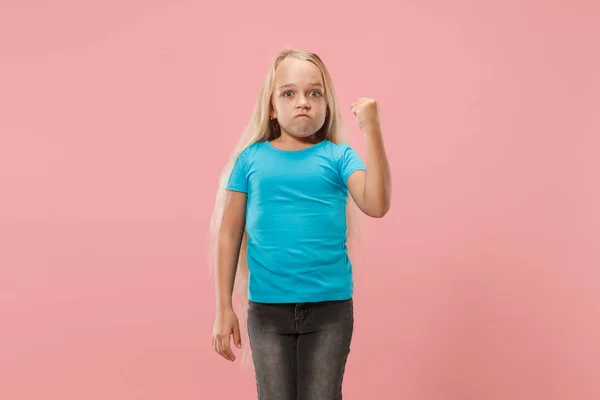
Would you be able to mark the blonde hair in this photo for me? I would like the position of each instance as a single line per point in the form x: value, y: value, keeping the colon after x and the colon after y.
x: 259, y: 129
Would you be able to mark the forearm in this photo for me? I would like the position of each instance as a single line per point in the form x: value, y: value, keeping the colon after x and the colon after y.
x: 378, y: 182
x: 227, y: 260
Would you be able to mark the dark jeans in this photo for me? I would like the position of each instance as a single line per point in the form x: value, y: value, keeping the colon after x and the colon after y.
x: 299, y: 350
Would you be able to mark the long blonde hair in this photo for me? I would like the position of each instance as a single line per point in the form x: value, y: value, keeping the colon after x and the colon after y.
x: 259, y: 129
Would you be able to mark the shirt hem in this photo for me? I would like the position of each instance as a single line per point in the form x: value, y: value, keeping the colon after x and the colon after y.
x: 302, y: 299
x: 237, y: 189
x: 353, y: 171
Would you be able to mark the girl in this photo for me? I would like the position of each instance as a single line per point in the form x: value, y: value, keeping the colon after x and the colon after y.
x: 280, y: 225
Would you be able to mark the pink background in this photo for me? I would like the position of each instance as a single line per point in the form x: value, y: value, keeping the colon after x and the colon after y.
x: 116, y: 117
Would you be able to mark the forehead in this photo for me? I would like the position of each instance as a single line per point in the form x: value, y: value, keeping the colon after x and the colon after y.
x: 298, y: 72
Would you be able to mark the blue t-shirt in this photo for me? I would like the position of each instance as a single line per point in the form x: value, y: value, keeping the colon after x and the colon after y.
x: 296, y: 221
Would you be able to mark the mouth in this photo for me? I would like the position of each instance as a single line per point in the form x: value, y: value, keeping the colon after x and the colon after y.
x: 301, y: 115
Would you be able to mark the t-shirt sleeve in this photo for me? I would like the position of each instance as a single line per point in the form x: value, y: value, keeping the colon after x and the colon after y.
x: 350, y: 162
x: 238, y: 180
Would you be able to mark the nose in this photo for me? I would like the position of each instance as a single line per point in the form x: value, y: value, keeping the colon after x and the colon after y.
x: 303, y: 102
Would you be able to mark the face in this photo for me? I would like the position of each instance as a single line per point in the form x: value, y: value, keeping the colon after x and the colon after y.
x: 299, y: 89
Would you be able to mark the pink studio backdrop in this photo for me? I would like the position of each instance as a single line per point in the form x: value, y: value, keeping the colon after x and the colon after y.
x: 116, y: 116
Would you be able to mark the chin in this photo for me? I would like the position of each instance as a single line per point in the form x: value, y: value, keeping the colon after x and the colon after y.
x: 302, y: 133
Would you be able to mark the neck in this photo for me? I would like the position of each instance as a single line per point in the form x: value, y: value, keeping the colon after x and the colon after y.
x: 292, y: 142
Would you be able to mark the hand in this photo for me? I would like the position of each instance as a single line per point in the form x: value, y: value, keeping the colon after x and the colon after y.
x: 367, y: 114
x: 226, y: 324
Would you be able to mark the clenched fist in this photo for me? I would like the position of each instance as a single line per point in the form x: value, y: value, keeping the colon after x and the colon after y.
x: 367, y: 114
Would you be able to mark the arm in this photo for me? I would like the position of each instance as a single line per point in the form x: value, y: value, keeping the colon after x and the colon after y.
x: 371, y: 190
x: 229, y: 244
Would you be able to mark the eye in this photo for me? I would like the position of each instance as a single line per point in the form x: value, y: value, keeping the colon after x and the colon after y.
x: 284, y: 94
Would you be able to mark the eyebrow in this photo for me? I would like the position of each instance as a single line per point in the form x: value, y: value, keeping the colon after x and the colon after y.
x: 291, y: 85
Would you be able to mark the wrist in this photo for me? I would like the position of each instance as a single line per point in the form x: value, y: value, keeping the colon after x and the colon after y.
x: 372, y: 130
x: 224, y: 305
